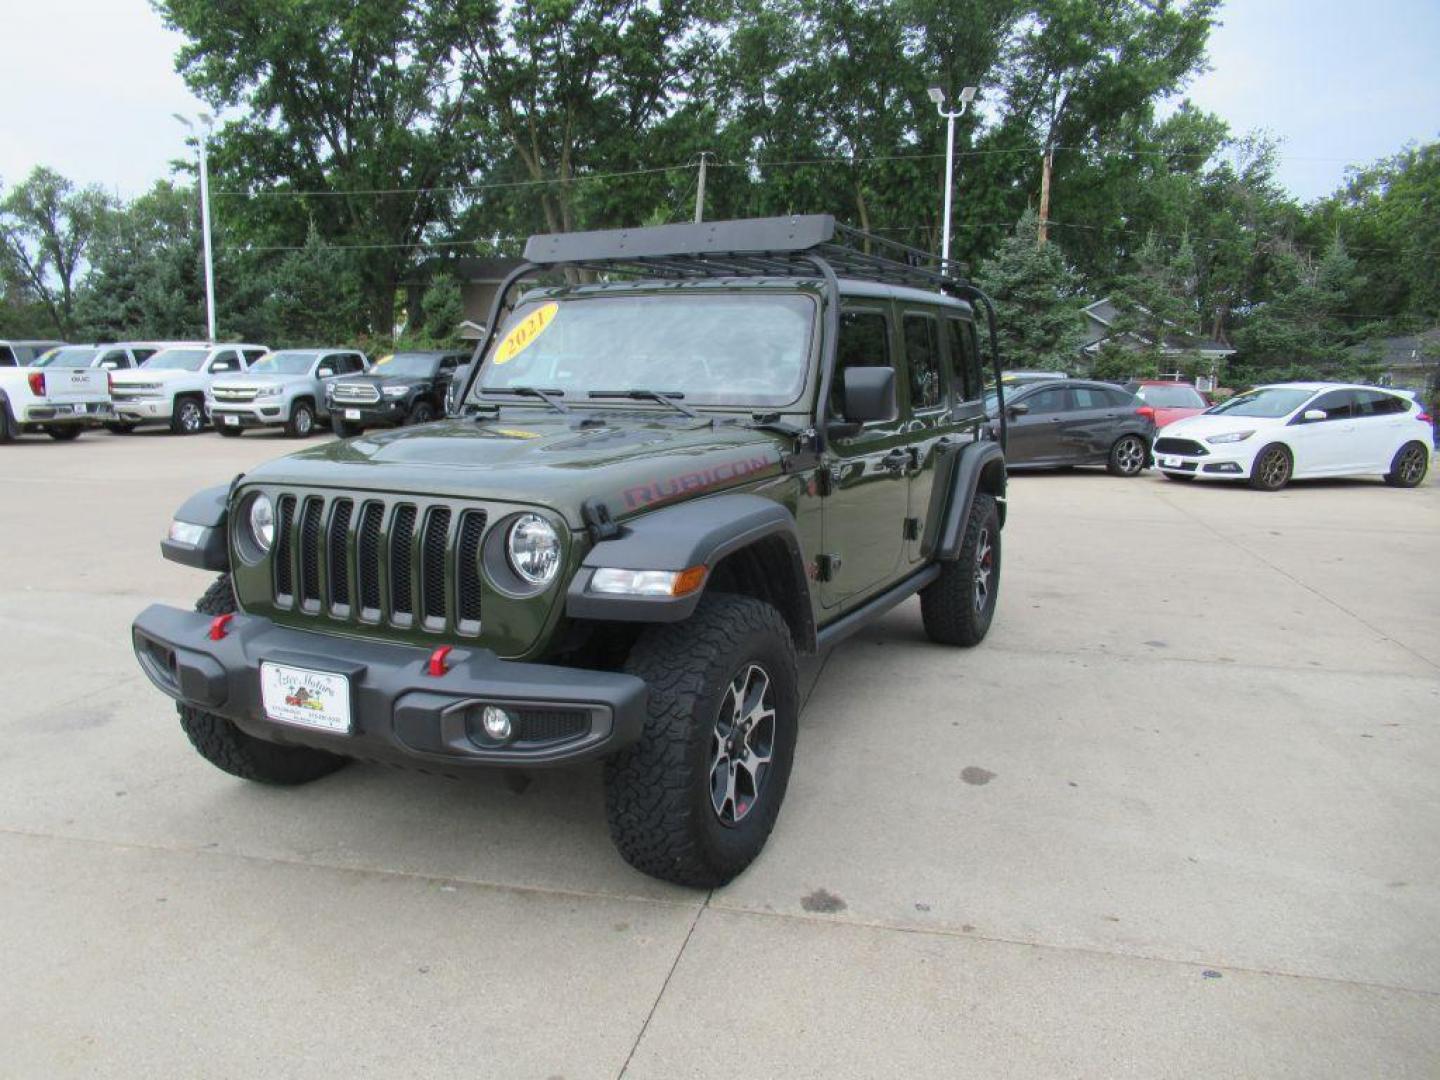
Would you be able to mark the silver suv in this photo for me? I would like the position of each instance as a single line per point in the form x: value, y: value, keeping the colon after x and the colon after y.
x: 283, y: 387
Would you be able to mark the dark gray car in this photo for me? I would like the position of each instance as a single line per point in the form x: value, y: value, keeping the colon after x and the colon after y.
x: 1076, y: 422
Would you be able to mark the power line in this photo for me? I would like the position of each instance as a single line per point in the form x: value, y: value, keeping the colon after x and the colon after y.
x: 455, y: 189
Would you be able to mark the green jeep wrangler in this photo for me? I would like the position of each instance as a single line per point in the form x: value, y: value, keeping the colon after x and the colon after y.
x: 718, y: 447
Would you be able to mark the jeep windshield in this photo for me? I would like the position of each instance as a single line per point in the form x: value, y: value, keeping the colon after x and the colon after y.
x: 285, y: 362
x: 177, y: 360
x: 750, y: 350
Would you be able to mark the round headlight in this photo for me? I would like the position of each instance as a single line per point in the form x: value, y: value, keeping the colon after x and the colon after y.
x: 262, y: 522
x: 533, y: 549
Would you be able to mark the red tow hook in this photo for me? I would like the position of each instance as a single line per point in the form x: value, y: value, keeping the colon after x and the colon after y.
x: 437, y: 661
x: 219, y: 626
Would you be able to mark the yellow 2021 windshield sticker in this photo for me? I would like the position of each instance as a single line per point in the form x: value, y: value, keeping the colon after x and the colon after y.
x: 524, y: 333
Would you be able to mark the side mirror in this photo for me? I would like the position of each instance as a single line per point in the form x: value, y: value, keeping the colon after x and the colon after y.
x: 1018, y: 409
x: 1312, y: 415
x: 869, y: 394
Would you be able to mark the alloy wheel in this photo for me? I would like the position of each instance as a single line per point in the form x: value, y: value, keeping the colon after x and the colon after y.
x: 1274, y: 469
x: 1411, y: 467
x: 984, y: 567
x: 1130, y: 456
x: 191, y: 419
x: 742, y: 745
x: 303, y: 421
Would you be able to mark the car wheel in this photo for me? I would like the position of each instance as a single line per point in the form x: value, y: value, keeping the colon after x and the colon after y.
x: 344, y: 428
x: 9, y: 429
x: 959, y: 605
x: 1127, y: 456
x: 1271, y: 469
x: 302, y: 420
x: 119, y: 427
x: 1409, y: 466
x: 68, y: 433
x: 188, y: 416
x: 226, y: 747
x: 694, y: 799
x: 422, y: 413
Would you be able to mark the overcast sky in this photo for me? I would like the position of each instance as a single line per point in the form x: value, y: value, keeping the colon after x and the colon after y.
x: 91, y: 86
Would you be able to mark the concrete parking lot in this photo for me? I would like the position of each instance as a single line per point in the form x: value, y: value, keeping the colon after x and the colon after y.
x: 1179, y: 815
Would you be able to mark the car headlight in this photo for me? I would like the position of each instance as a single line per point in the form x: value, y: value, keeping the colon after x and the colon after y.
x: 268, y: 391
x: 533, y: 549
x: 1229, y: 437
x: 396, y: 391
x: 262, y: 522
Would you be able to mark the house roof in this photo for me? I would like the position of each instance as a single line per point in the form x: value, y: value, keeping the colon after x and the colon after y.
x: 1100, y: 320
x: 1408, y: 350
x: 473, y: 269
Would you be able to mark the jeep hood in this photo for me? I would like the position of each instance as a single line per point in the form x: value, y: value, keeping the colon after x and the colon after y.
x: 631, y: 463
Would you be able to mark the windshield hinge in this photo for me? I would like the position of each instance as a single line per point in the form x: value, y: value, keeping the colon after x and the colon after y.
x: 598, y: 521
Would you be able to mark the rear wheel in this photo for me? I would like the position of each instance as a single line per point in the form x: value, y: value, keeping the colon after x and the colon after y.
x: 1409, y: 466
x: 344, y: 428
x: 9, y: 429
x: 227, y: 747
x: 1272, y: 468
x: 958, y: 606
x: 302, y: 420
x: 65, y: 432
x: 694, y: 799
x: 188, y: 416
x: 1127, y: 456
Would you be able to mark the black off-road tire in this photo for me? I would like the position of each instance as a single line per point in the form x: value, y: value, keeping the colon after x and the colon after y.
x: 422, y: 412
x: 951, y: 606
x: 9, y: 429
x: 1272, y: 468
x: 301, y: 424
x: 344, y: 428
x: 657, y: 791
x: 1127, y: 456
x: 227, y: 747
x: 1409, y: 466
x: 182, y: 419
x: 65, y: 433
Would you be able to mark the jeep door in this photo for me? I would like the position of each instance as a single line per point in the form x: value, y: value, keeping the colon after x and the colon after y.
x: 863, y: 516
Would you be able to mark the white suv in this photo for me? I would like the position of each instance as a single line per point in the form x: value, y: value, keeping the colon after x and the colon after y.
x: 283, y: 387
x: 171, y: 386
x: 1274, y: 434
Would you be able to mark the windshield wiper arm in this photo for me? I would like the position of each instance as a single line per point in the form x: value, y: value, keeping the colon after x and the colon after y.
x: 664, y: 397
x: 547, y: 395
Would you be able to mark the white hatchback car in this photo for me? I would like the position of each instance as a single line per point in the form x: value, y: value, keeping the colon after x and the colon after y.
x: 1274, y: 434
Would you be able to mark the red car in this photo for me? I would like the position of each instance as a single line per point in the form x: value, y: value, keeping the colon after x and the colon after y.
x: 1171, y: 400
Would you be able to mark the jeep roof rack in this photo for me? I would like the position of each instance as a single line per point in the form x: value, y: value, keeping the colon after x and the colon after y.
x: 803, y: 245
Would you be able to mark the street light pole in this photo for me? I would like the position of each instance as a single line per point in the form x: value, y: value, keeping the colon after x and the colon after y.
x: 937, y: 95
x: 205, y: 218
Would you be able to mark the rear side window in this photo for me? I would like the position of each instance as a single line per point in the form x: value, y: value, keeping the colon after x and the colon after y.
x: 922, y: 354
x: 1048, y: 401
x: 7, y: 358
x: 864, y: 342
x: 251, y: 355
x: 1375, y: 403
x: 141, y: 355
x: 1092, y: 397
x: 965, y: 374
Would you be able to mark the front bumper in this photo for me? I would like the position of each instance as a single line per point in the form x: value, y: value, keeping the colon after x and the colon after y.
x: 1222, y: 465
x: 262, y: 413
x: 140, y: 410
x: 80, y: 412
x: 386, y: 413
x: 400, y: 714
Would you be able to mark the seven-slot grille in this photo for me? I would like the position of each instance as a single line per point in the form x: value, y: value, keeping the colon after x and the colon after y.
x: 228, y: 393
x: 356, y: 393
x: 408, y: 564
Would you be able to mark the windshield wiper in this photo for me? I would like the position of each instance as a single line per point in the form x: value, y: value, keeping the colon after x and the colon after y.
x: 547, y: 395
x: 664, y: 397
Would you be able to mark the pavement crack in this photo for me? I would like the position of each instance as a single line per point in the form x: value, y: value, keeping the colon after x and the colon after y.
x: 664, y: 985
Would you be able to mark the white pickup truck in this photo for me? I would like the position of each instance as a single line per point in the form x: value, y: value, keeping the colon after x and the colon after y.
x: 62, y: 402
x: 171, y: 387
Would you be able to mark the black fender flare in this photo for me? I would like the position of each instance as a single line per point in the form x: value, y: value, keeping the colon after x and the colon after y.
x: 697, y: 533
x: 962, y: 470
x: 208, y: 509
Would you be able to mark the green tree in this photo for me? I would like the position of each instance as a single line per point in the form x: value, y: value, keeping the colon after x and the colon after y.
x: 46, y: 226
x: 1039, y: 298
x: 315, y: 297
x: 1157, y: 305
x: 443, y: 309
x: 1302, y: 321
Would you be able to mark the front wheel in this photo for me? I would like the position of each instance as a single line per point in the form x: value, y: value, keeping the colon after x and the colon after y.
x: 1127, y: 456
x: 422, y: 413
x: 67, y: 433
x: 228, y: 748
x: 1409, y: 466
x: 1272, y: 468
x: 959, y: 605
x: 302, y: 420
x: 187, y: 417
x: 694, y: 800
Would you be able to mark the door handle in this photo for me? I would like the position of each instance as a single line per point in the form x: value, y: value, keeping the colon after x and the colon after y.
x: 1054, y: 419
x: 897, y: 460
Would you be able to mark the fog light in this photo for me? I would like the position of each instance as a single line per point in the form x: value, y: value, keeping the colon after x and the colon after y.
x: 496, y: 722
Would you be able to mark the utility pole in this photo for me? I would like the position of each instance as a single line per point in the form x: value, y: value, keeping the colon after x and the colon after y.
x: 700, y: 191
x: 1047, y: 164
x: 937, y: 95
x: 200, y: 139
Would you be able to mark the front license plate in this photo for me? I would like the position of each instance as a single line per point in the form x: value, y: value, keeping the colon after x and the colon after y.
x: 1170, y: 462
x: 232, y: 420
x: 352, y: 414
x: 79, y: 410
x: 305, y: 698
